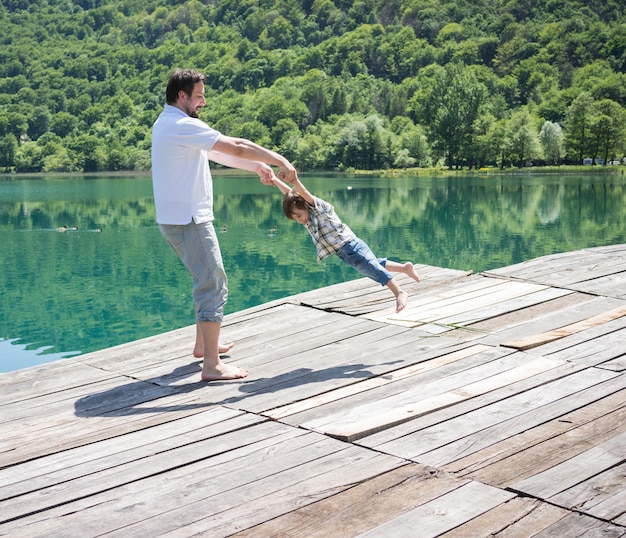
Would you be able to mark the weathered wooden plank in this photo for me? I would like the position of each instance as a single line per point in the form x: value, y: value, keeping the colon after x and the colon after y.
x: 564, y: 268
x: 372, y: 382
x: 498, y: 310
x: 157, y: 348
x: 607, y: 351
x: 542, y: 269
x: 445, y: 443
x: 380, y: 299
x: 586, y: 276
x: 93, y: 475
x: 518, y: 518
x: 268, y: 358
x: 545, y: 447
x: 599, y: 332
x: 602, y: 496
x: 278, y: 501
x: 581, y: 525
x: 360, y: 508
x: 520, y: 326
x: 468, y: 406
x: 581, y: 467
x: 355, y: 426
x: 464, y: 319
x: 101, y: 416
x: 67, y: 465
x: 155, y: 360
x: 428, y: 308
x: 82, y: 402
x: 46, y: 381
x: 340, y: 363
x: 205, y: 502
x: 212, y: 475
x: 467, y: 303
x: 554, y: 334
x: 601, y: 416
x: 338, y: 295
x: 600, y: 272
x: 443, y: 513
x: 421, y: 385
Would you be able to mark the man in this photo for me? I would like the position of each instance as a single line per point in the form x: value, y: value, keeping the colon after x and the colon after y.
x: 182, y: 145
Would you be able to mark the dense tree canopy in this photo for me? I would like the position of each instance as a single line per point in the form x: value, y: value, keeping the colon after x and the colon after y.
x: 332, y: 84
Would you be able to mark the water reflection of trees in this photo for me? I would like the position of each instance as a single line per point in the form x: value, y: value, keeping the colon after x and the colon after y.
x: 78, y: 290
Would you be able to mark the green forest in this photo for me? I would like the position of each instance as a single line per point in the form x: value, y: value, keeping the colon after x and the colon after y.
x: 330, y: 84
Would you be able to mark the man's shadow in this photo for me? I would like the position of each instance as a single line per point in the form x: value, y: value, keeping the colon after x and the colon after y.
x: 131, y: 398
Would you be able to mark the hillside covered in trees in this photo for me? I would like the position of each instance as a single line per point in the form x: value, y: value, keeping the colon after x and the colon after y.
x: 331, y: 84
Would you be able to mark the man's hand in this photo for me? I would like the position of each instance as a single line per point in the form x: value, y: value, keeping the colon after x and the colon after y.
x: 288, y: 173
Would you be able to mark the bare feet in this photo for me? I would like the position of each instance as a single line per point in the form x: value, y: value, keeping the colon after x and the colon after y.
x: 409, y: 269
x: 223, y: 372
x: 401, y: 301
x: 198, y: 352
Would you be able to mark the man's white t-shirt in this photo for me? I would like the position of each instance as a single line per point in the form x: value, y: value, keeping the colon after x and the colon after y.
x: 181, y: 177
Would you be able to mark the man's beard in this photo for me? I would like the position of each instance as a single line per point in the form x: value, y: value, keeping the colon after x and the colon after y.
x: 192, y: 112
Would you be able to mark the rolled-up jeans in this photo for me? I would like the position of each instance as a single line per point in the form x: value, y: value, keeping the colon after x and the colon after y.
x: 356, y: 253
x: 197, y: 247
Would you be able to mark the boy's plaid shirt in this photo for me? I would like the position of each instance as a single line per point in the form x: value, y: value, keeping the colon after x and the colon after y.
x: 326, y: 229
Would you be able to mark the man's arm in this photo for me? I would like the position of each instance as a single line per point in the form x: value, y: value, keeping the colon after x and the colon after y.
x: 245, y: 150
x: 265, y: 171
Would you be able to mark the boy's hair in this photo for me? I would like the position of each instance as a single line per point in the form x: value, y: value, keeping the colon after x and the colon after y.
x: 292, y: 201
x: 181, y: 79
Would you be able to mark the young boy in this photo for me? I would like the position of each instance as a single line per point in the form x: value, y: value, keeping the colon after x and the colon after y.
x: 331, y: 236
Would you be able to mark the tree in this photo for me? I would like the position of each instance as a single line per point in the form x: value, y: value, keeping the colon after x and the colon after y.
x: 38, y: 122
x: 551, y: 136
x: 577, y: 125
x: 63, y: 124
x: 8, y: 150
x: 523, y: 138
x: 451, y: 105
x: 16, y: 124
x: 412, y: 139
x: 607, y: 130
x: 452, y: 67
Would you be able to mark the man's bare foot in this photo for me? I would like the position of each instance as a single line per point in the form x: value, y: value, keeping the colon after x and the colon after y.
x: 198, y: 353
x: 401, y: 301
x: 409, y: 269
x: 223, y: 372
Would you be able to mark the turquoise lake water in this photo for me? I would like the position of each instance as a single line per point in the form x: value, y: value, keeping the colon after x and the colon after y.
x: 113, y: 279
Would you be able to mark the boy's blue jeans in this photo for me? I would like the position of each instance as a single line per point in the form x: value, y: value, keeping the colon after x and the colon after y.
x: 357, y: 254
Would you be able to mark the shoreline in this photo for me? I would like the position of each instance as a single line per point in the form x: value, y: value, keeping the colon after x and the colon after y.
x: 407, y: 172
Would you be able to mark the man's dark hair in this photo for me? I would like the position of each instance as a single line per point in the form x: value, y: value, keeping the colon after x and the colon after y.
x: 182, y: 79
x: 292, y: 201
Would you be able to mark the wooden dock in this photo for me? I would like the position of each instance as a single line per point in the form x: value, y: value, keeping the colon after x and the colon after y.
x: 494, y: 405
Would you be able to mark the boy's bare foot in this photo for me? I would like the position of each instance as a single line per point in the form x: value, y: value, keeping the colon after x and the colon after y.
x: 223, y: 348
x: 401, y: 300
x: 223, y: 372
x: 409, y: 269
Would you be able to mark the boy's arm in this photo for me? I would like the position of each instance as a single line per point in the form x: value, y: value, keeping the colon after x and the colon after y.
x: 297, y: 186
x: 282, y: 186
